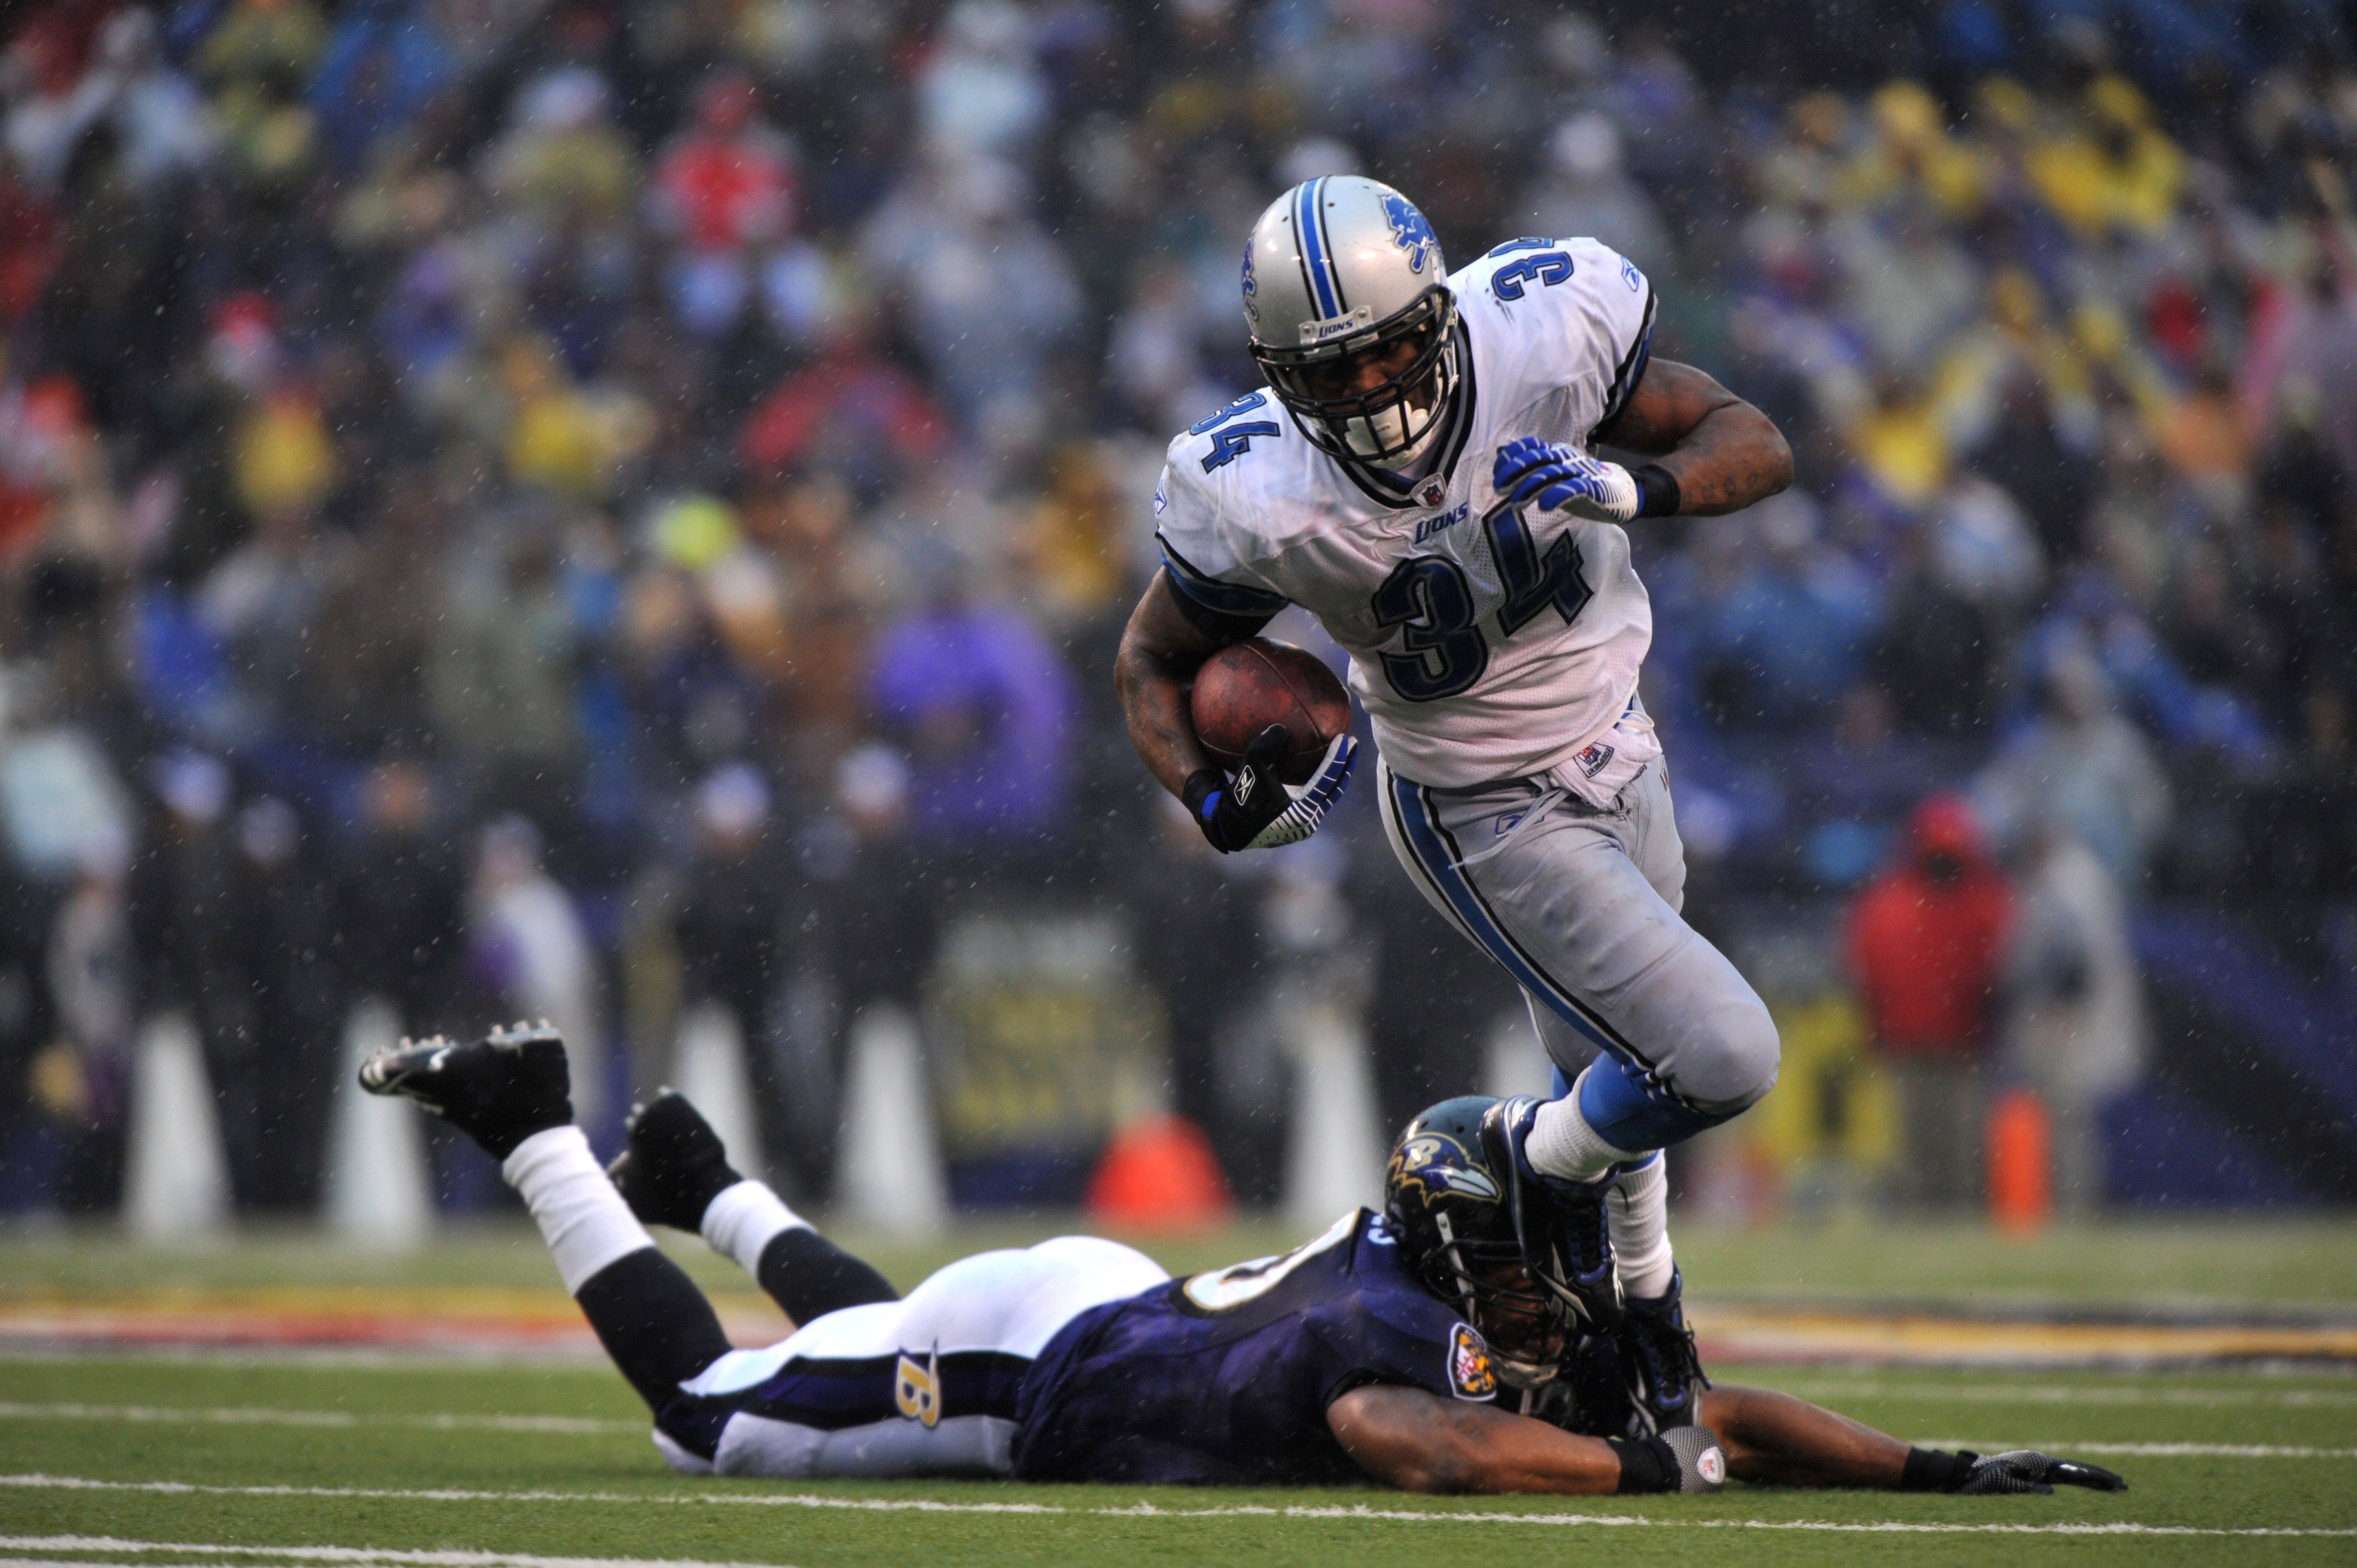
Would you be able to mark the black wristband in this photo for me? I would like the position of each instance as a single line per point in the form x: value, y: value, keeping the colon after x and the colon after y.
x: 1657, y: 491
x: 1935, y: 1470
x: 1646, y: 1466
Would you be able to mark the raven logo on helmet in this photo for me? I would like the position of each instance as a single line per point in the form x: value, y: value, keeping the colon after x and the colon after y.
x: 1446, y: 1200
x: 1411, y: 231
x: 1438, y: 1163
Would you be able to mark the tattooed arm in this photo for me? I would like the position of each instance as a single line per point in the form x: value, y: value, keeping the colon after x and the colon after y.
x: 1167, y: 640
x: 1724, y: 453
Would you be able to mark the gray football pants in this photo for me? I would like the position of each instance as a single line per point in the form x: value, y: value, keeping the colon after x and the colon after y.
x: 1580, y: 906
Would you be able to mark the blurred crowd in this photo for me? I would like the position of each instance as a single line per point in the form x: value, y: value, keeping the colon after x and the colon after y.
x: 567, y: 508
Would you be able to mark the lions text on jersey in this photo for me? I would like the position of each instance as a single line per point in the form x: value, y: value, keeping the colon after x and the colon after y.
x: 1486, y: 641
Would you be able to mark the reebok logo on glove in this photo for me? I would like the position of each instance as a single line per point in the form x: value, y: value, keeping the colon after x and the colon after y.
x: 1260, y: 810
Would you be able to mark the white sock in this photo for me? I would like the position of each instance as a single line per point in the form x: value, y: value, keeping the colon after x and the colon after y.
x: 1638, y: 1207
x: 743, y: 1220
x: 584, y: 1220
x: 1563, y: 1144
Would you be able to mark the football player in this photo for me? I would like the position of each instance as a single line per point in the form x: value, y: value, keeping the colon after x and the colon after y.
x: 1407, y: 1347
x: 1420, y: 474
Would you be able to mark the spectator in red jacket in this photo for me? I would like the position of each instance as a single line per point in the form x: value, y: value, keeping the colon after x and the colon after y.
x: 723, y: 190
x: 1925, y: 942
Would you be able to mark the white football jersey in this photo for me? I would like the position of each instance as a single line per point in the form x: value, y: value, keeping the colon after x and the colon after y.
x: 1486, y: 642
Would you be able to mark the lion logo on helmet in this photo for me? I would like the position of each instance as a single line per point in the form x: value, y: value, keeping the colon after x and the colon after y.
x: 1252, y: 286
x: 1410, y: 231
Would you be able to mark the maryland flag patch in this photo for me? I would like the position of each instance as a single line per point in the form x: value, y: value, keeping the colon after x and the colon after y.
x: 1471, y: 1375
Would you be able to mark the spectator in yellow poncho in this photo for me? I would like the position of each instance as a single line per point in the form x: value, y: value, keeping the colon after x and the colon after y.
x: 2115, y: 170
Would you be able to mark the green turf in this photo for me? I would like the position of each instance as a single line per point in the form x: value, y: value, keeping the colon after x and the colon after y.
x: 376, y: 1436
x: 640, y: 1511
x: 2294, y: 1263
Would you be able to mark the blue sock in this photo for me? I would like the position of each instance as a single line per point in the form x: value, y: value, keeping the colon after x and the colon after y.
x: 1625, y: 1116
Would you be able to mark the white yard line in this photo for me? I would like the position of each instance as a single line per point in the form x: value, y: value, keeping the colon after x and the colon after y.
x: 465, y: 1494
x: 2072, y: 1445
x: 359, y: 1554
x: 84, y: 1562
x: 1143, y: 1511
x: 564, y: 1425
x: 2002, y: 1393
x: 577, y: 1427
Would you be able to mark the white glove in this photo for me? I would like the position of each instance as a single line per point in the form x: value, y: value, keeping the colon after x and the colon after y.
x: 1312, y: 801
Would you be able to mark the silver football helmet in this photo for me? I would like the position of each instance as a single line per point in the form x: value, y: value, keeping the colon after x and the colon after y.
x: 1343, y: 275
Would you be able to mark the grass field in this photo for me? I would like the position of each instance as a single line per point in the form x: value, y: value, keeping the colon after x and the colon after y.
x: 181, y: 1458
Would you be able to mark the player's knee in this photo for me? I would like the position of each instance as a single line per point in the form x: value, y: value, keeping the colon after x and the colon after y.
x: 1742, y: 1061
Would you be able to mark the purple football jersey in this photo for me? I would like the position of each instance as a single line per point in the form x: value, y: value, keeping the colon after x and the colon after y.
x: 1226, y: 1376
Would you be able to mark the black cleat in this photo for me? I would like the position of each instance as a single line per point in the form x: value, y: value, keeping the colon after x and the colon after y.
x: 674, y: 1166
x: 1565, y: 1230
x: 1657, y: 1352
x: 499, y: 1090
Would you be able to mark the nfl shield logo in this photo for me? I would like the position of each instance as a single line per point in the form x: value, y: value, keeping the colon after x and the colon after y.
x: 1432, y: 492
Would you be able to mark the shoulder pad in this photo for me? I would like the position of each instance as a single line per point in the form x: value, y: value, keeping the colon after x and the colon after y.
x: 1230, y: 434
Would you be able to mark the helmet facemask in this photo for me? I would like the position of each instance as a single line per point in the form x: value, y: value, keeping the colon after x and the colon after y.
x: 1391, y: 421
x: 1444, y: 1204
x: 1528, y: 1331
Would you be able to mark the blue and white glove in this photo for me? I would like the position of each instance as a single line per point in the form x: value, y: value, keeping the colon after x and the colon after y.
x: 1557, y: 477
x: 1257, y: 810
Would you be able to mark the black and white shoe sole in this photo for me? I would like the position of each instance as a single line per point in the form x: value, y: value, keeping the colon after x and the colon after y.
x: 417, y: 1069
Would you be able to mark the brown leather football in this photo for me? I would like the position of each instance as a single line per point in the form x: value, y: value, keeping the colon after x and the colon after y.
x: 1248, y: 686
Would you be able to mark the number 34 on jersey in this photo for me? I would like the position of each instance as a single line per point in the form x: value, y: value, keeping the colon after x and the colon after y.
x: 1433, y: 600
x: 1487, y: 641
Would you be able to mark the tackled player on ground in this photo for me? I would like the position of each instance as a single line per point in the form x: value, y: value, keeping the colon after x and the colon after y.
x: 1413, y: 1348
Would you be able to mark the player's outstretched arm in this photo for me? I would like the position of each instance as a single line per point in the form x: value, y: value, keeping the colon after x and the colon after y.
x: 1774, y: 1438
x: 1777, y: 1440
x: 1160, y: 651
x: 1724, y: 453
x: 1419, y: 1442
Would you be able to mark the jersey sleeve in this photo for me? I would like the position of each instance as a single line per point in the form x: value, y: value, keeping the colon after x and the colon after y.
x: 1623, y: 304
x: 1579, y: 316
x: 1198, y: 544
x: 1392, y: 1332
x: 1445, y: 1356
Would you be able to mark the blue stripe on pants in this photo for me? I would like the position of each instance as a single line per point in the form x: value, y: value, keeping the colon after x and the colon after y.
x: 1441, y: 868
x: 1624, y: 1102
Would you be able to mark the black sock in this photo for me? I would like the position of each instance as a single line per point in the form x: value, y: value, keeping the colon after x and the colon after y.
x: 653, y: 1322
x: 808, y: 1275
x: 1935, y: 1470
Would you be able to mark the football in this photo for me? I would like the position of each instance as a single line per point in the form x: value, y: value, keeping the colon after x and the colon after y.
x: 1245, y: 688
